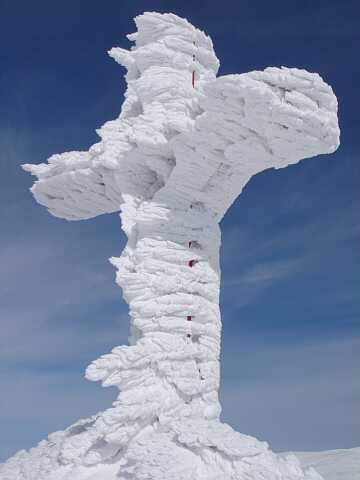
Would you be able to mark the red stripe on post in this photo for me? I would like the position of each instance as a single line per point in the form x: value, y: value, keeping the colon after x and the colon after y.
x: 189, y: 318
x: 193, y: 79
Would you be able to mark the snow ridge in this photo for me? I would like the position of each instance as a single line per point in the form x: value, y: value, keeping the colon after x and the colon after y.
x: 173, y: 163
x: 342, y: 464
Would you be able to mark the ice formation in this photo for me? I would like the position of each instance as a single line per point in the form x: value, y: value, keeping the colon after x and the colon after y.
x: 183, y: 148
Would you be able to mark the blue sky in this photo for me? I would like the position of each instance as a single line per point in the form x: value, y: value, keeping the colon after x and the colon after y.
x: 290, y: 254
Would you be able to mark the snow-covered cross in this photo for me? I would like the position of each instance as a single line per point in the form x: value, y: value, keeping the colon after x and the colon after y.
x: 173, y: 163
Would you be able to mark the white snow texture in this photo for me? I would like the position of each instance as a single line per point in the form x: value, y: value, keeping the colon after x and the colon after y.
x: 342, y: 464
x: 173, y: 163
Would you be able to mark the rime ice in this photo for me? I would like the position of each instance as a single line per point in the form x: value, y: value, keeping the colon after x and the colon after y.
x: 172, y: 164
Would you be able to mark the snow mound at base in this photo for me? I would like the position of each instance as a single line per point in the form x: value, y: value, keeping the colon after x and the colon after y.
x: 186, y: 450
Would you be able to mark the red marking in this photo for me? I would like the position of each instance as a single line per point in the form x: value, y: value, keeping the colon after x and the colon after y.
x: 191, y: 263
x: 189, y: 318
x: 193, y: 73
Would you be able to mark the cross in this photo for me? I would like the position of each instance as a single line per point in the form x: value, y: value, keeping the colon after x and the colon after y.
x: 172, y: 164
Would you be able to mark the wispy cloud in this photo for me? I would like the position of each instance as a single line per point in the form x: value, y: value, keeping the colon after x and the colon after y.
x: 58, y: 312
x: 269, y: 272
x: 254, y: 280
x: 281, y: 241
x: 48, y: 301
x: 277, y: 392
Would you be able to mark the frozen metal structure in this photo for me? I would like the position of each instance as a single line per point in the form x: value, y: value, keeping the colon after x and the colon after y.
x: 183, y: 148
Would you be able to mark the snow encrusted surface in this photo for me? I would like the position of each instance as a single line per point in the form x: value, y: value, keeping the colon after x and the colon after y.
x: 173, y: 163
x: 342, y: 464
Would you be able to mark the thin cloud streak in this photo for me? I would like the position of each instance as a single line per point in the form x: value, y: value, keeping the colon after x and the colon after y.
x: 271, y: 390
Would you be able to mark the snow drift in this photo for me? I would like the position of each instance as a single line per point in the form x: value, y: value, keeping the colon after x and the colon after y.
x: 172, y: 163
x: 342, y: 464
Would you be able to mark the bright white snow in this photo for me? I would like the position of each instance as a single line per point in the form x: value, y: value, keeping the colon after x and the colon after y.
x: 173, y: 163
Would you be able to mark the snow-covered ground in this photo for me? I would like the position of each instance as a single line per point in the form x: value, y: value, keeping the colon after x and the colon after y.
x: 343, y: 464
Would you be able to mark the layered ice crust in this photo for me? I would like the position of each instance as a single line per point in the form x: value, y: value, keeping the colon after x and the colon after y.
x: 173, y: 163
x: 249, y: 123
x: 134, y: 156
x: 202, y: 144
